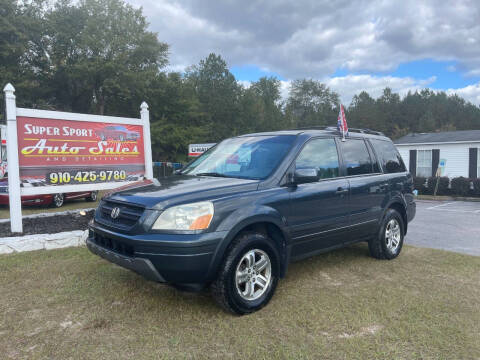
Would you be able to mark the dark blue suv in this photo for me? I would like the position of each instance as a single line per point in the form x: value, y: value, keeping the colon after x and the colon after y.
x: 236, y: 216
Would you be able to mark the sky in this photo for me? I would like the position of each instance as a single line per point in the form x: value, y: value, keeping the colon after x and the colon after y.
x: 349, y: 45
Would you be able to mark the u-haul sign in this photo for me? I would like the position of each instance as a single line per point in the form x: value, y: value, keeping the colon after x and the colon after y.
x: 195, y: 150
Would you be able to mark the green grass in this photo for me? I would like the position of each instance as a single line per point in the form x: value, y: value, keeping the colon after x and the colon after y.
x: 342, y: 305
x: 68, y: 205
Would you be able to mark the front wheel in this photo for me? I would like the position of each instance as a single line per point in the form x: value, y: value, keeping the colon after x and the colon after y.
x: 389, y: 241
x: 249, y: 274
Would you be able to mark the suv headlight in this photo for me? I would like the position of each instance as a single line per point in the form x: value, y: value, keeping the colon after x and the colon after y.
x: 195, y: 216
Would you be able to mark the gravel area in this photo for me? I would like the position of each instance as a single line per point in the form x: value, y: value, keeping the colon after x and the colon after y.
x: 50, y: 224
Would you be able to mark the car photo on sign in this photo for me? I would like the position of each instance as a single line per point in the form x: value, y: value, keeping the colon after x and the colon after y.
x: 117, y: 132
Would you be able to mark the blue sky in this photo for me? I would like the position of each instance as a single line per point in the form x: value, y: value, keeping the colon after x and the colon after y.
x: 446, y: 73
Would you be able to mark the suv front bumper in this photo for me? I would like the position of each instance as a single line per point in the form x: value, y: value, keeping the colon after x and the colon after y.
x: 169, y: 258
x: 141, y: 266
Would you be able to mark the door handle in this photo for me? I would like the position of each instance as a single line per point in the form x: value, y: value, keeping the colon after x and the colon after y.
x: 384, y: 186
x: 341, y: 191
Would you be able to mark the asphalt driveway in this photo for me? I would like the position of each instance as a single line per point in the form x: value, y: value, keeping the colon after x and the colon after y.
x: 447, y: 225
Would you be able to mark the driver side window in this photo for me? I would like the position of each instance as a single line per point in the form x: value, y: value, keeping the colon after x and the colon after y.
x: 322, y: 155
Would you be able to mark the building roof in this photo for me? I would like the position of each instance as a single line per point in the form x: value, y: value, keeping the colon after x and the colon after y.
x: 440, y: 137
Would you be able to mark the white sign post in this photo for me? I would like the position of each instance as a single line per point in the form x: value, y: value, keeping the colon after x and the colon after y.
x: 12, y: 161
x: 15, y: 191
x: 147, y: 143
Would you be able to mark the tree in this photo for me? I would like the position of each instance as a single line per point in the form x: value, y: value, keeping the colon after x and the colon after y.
x: 219, y: 94
x: 21, y: 24
x: 101, y: 55
x: 311, y: 103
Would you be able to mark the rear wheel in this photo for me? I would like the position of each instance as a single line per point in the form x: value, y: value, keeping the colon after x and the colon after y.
x: 389, y: 241
x: 249, y: 274
x: 93, y: 196
x: 58, y: 200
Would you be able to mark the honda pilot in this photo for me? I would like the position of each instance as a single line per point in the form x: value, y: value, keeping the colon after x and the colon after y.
x: 235, y: 217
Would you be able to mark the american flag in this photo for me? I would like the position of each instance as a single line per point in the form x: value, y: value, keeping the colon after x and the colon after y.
x: 342, y: 122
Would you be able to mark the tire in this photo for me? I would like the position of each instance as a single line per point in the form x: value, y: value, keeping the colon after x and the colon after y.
x: 389, y: 241
x: 93, y: 196
x: 227, y: 289
x: 58, y: 200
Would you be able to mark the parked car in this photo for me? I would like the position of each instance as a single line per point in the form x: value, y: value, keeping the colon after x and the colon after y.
x: 55, y: 200
x: 235, y: 217
x: 117, y: 132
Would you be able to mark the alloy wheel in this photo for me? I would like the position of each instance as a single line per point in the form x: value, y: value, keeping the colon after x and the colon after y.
x: 253, y: 274
x: 393, y: 235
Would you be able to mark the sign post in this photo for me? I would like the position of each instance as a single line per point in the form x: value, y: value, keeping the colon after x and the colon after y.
x: 12, y: 161
x: 145, y: 116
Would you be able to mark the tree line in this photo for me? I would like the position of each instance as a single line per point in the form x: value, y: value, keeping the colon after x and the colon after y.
x: 98, y: 56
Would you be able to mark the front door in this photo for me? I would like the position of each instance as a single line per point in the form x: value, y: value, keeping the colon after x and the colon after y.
x: 319, y: 210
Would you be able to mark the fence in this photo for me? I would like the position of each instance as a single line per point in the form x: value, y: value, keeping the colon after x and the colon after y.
x: 163, y: 168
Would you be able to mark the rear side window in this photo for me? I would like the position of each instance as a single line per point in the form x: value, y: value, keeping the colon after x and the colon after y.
x: 320, y: 154
x: 388, y: 156
x: 356, y: 157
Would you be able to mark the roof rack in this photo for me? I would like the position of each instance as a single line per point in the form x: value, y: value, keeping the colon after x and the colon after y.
x: 333, y: 128
x: 366, y: 131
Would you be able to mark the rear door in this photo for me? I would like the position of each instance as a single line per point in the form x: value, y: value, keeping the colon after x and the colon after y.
x: 319, y: 210
x: 368, y: 188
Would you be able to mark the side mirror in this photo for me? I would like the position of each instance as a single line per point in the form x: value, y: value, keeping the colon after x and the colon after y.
x: 306, y: 175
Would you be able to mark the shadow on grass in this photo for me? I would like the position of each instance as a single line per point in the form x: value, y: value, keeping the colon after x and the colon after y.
x: 170, y: 298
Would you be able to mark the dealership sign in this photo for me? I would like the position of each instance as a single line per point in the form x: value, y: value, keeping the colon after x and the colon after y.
x: 195, y: 150
x: 58, y: 152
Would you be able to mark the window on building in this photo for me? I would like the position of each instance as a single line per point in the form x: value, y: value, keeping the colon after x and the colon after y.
x: 356, y: 157
x: 320, y: 154
x: 424, y: 163
x: 388, y: 155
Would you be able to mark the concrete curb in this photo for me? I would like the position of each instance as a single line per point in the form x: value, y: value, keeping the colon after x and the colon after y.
x: 66, y: 212
x: 446, y: 198
x: 42, y: 241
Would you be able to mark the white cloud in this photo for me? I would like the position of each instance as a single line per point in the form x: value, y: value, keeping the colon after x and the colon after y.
x: 313, y: 38
x: 470, y: 93
x: 350, y: 85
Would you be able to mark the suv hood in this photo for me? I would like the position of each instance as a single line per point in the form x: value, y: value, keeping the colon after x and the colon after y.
x: 180, y: 189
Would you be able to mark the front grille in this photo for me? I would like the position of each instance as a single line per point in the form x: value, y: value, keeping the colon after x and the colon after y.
x: 114, y: 245
x: 127, y: 218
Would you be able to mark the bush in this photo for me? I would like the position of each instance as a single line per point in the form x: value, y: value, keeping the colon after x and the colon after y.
x: 419, y: 184
x: 476, y: 187
x: 460, y: 186
x: 443, y: 183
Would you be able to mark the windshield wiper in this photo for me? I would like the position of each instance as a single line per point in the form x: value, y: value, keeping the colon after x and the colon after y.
x: 211, y: 174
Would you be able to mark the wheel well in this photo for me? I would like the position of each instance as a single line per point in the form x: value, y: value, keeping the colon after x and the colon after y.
x: 273, y: 232
x: 402, y: 211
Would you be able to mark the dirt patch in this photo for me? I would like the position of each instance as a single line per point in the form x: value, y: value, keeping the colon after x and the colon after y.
x: 50, y: 224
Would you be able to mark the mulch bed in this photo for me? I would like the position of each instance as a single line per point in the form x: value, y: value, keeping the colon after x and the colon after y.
x: 50, y: 224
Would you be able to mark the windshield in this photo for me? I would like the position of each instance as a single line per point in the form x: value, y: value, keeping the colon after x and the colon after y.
x: 251, y: 157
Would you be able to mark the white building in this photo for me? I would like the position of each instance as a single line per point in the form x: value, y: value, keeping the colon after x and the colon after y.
x: 456, y: 152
